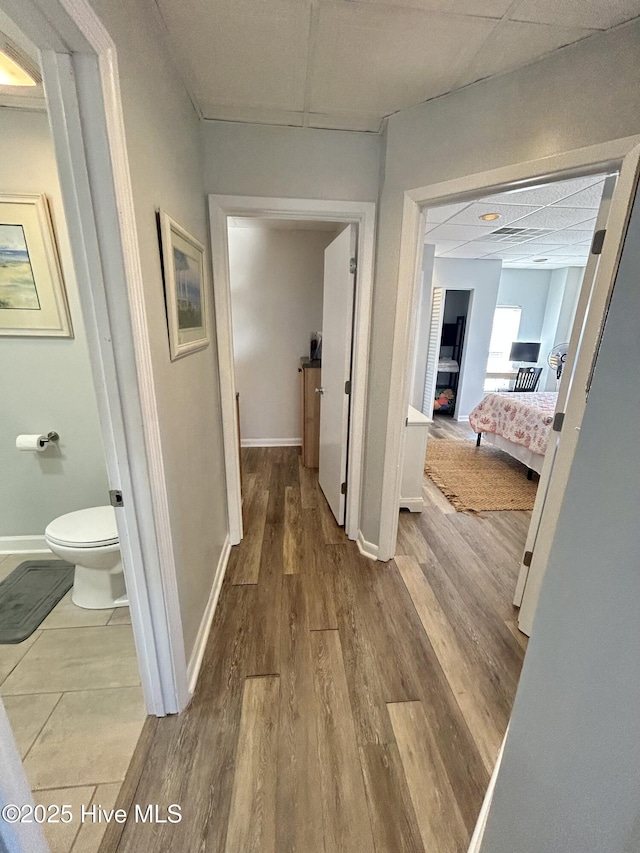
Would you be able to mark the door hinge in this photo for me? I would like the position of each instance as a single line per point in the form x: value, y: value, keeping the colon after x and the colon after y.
x: 598, y: 241
x: 526, y: 559
x: 115, y: 498
x: 343, y: 489
x: 558, y: 421
x: 347, y: 386
x: 353, y: 266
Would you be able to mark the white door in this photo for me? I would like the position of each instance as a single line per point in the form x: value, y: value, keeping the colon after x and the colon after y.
x: 572, y: 397
x: 337, y: 333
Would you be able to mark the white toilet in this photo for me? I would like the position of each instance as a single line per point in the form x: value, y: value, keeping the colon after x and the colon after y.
x: 89, y: 539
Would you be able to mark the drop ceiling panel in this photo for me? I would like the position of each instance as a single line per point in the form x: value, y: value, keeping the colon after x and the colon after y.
x: 546, y: 194
x: 560, y: 234
x: 521, y: 250
x: 445, y: 245
x: 508, y: 213
x: 589, y: 224
x: 243, y: 52
x: 375, y: 58
x: 345, y: 121
x: 464, y: 233
x: 476, y: 8
x: 597, y: 14
x: 575, y: 251
x: 589, y: 197
x: 514, y: 44
x: 473, y: 250
x: 444, y: 212
x: 567, y: 237
x: 554, y: 217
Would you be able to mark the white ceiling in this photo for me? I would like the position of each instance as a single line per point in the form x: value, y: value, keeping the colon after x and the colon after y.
x: 347, y: 64
x: 554, y: 222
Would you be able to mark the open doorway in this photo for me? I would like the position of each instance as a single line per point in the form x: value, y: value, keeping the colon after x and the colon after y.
x: 292, y: 296
x: 333, y: 417
x: 69, y: 673
x: 469, y: 561
x: 524, y: 254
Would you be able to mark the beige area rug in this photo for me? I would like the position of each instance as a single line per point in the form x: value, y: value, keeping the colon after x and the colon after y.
x: 478, y: 479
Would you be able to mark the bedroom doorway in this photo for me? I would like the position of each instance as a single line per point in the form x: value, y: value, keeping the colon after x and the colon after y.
x: 554, y: 226
x: 455, y: 564
x: 446, y: 348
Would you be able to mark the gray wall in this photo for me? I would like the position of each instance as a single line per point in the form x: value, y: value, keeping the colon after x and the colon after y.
x: 569, y: 779
x: 277, y: 282
x: 584, y: 94
x: 530, y: 290
x: 45, y: 383
x: 293, y: 162
x: 165, y: 159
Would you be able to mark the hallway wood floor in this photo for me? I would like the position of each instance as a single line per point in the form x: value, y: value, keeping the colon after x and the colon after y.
x: 342, y: 705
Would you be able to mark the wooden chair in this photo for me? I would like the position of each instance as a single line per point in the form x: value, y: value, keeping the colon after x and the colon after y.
x: 527, y: 379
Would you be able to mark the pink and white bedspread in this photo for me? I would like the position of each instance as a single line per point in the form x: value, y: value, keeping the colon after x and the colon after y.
x: 524, y: 419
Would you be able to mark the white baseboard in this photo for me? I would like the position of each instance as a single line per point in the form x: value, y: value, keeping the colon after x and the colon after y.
x: 462, y: 418
x: 412, y: 504
x: 367, y: 549
x: 478, y: 833
x: 23, y: 544
x: 195, y: 661
x: 271, y: 442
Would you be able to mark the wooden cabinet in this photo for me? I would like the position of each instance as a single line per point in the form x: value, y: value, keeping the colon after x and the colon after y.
x: 310, y: 378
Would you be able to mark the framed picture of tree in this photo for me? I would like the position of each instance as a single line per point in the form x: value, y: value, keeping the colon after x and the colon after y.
x: 185, y: 278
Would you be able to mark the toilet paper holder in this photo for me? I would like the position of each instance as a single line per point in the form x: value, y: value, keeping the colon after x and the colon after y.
x: 51, y: 437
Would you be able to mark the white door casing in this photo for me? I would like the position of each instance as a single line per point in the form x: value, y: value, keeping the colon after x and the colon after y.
x: 362, y: 213
x: 337, y: 325
x: 575, y: 338
x: 603, y: 158
x: 572, y: 397
x: 80, y: 73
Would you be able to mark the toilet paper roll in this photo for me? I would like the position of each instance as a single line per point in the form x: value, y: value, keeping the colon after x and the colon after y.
x: 32, y: 442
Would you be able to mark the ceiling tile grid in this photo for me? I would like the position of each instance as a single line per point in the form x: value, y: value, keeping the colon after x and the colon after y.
x: 548, y: 228
x: 347, y: 64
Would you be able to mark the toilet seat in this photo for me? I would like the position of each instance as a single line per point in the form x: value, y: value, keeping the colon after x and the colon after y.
x: 87, y: 528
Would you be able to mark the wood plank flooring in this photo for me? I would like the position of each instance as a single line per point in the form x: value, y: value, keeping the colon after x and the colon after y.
x: 343, y: 705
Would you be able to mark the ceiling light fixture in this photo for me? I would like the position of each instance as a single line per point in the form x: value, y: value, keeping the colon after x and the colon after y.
x: 540, y: 260
x: 490, y: 217
x: 12, y: 74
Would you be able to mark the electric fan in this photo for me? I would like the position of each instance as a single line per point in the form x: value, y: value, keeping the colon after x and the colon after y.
x: 557, y: 358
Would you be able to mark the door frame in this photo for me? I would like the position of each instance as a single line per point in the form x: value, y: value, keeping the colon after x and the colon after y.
x: 620, y: 154
x: 80, y: 71
x: 362, y: 214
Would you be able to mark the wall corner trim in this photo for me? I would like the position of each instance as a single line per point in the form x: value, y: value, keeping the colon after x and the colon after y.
x: 195, y: 661
x: 367, y: 549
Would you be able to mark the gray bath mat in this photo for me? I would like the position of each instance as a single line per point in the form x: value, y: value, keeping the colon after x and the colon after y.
x: 29, y: 594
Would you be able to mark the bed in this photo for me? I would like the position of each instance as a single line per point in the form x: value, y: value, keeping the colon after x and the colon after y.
x: 519, y: 424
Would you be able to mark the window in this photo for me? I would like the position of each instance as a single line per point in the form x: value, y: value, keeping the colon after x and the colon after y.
x: 506, y: 325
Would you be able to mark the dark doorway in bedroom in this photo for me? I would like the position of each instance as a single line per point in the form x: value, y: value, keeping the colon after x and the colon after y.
x: 452, y: 342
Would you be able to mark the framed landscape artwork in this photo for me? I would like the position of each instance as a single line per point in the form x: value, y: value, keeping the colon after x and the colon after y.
x: 32, y: 297
x: 185, y: 288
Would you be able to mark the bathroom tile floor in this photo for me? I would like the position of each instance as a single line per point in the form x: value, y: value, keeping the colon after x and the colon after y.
x: 73, y: 696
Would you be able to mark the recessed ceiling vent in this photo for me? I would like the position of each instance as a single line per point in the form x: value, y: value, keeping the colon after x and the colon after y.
x: 508, y: 234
